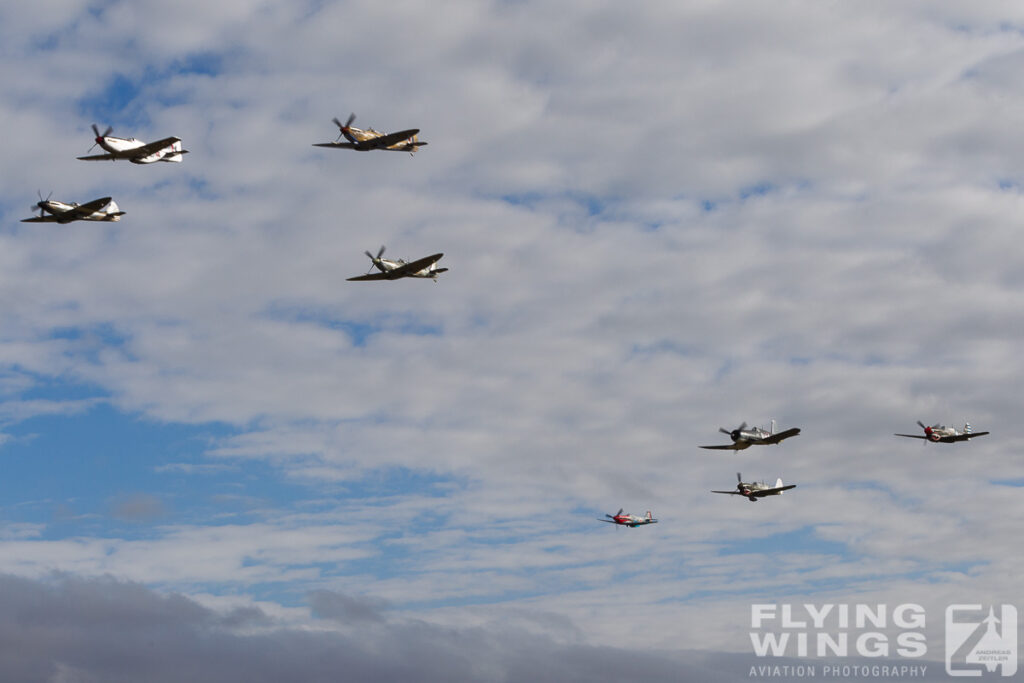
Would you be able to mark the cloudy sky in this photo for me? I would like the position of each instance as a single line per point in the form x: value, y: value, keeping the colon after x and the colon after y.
x: 660, y: 219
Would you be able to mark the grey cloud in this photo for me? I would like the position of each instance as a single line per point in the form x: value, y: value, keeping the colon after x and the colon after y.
x: 119, y: 632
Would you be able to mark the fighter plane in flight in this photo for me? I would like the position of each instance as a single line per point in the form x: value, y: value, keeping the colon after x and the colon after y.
x: 940, y: 433
x: 742, y: 437
x: 392, y: 270
x: 754, y: 490
x: 365, y: 140
x: 102, y: 209
x: 632, y: 521
x: 135, y: 151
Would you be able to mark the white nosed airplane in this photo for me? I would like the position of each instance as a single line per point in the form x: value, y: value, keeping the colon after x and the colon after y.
x: 941, y: 434
x: 365, y: 140
x: 102, y: 209
x: 392, y: 270
x: 755, y: 436
x: 632, y: 521
x: 135, y: 151
x: 754, y: 490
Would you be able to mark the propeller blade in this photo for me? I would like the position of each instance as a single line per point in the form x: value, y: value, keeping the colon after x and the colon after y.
x: 381, y: 252
x: 95, y: 129
x: 724, y: 430
x: 739, y: 478
x: 351, y: 118
x: 742, y: 426
x: 921, y: 424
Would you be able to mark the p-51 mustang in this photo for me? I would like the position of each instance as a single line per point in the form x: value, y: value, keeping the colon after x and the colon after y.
x: 135, y: 151
x: 632, y: 521
x: 393, y: 270
x: 102, y: 209
x: 742, y: 437
x: 754, y: 490
x: 365, y: 140
x: 939, y: 433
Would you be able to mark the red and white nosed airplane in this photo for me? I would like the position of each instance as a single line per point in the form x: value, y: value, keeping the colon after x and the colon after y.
x: 631, y: 521
x: 135, y: 151
x: 941, y: 434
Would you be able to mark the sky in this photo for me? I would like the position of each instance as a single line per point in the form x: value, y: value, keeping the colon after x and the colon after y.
x: 659, y: 219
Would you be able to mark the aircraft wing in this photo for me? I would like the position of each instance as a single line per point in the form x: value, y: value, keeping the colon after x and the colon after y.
x: 83, y: 210
x: 100, y: 157
x: 731, y: 493
x: 40, y: 219
x: 610, y: 521
x: 150, y: 148
x: 731, y: 447
x: 372, y: 276
x: 342, y: 145
x: 965, y: 437
x: 773, y: 490
x: 390, y: 139
x: 912, y: 436
x: 416, y: 266
x: 776, y: 438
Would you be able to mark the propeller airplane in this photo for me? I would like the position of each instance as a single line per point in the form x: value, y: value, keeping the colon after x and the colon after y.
x: 742, y: 437
x: 102, y: 209
x: 631, y: 521
x: 754, y: 490
x: 365, y: 140
x: 135, y: 151
x: 392, y: 270
x: 941, y: 434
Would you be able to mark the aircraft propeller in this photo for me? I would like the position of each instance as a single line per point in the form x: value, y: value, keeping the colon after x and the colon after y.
x: 39, y: 204
x: 344, y: 128
x: 375, y: 259
x: 734, y: 434
x: 96, y: 130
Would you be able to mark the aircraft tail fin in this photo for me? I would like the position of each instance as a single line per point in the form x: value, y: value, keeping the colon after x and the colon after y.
x: 649, y: 515
x: 967, y: 428
x: 773, y: 426
x: 779, y: 484
x: 174, y: 156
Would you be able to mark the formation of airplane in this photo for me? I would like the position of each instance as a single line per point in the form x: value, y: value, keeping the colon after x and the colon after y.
x: 754, y: 490
x: 392, y: 270
x: 742, y: 437
x: 135, y: 151
x: 366, y: 140
x: 632, y: 521
x: 170, y: 150
x: 941, y: 434
x: 53, y: 211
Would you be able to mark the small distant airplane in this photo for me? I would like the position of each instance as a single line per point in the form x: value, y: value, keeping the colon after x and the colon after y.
x: 102, y: 209
x: 392, y: 270
x: 755, y: 436
x: 754, y: 490
x: 135, y: 151
x: 940, y: 433
x: 365, y: 140
x: 632, y: 521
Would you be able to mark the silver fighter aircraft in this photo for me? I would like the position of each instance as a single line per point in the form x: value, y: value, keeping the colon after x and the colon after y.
x: 365, y: 140
x: 102, y: 209
x: 754, y: 490
x: 392, y: 270
x: 744, y: 437
x: 941, y: 434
